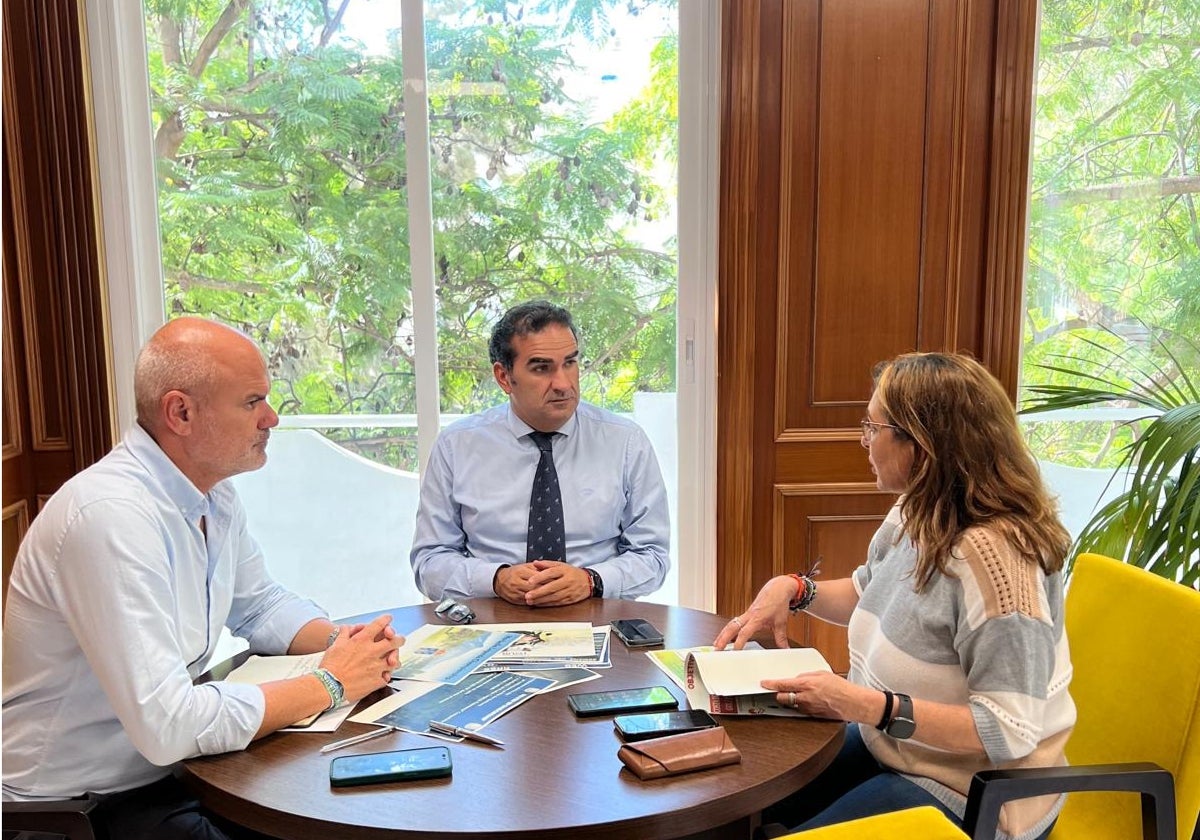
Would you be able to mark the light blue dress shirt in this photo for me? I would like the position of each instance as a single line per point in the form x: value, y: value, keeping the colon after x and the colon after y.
x: 474, y: 511
x: 115, y: 603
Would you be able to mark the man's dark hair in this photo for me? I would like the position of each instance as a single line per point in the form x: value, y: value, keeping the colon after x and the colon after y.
x: 524, y: 319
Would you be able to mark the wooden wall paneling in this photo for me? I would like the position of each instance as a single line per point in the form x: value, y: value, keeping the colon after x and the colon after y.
x: 27, y: 199
x: 748, y: 231
x: 1002, y: 301
x: 15, y: 524
x: 798, y: 222
x: 834, y: 523
x: 57, y: 398
x: 896, y: 191
x: 13, y: 435
x: 76, y: 250
x: 866, y: 282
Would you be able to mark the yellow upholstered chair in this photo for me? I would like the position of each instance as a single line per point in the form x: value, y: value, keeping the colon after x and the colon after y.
x: 1135, y: 648
x: 924, y: 823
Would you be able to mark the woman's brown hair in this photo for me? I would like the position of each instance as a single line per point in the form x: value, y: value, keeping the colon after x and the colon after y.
x: 971, y: 465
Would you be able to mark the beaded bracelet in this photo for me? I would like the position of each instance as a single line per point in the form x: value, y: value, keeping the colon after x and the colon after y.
x: 805, y: 595
x: 332, y: 685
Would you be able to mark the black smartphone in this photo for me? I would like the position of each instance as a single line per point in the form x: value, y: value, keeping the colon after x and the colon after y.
x: 661, y: 724
x: 637, y: 632
x: 394, y: 766
x: 623, y: 700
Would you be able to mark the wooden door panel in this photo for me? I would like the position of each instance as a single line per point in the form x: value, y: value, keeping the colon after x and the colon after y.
x: 861, y: 177
x: 834, y: 523
x: 57, y: 406
x: 871, y: 121
x: 873, y: 158
x: 15, y: 524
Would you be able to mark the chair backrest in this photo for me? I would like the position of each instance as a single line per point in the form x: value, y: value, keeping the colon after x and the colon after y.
x: 1135, y: 649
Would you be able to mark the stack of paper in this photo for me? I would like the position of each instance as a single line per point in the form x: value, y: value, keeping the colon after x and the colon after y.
x: 467, y: 676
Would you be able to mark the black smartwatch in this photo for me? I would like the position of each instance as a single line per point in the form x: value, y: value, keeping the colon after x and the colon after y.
x: 597, y: 583
x: 902, y: 725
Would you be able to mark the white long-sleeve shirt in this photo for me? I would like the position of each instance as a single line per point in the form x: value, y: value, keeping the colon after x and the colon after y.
x: 115, y: 603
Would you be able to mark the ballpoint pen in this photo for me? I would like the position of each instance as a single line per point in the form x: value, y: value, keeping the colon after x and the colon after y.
x: 357, y: 739
x: 448, y: 729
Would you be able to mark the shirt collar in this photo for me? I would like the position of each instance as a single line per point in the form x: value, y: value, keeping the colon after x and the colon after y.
x: 520, y: 428
x: 178, y: 487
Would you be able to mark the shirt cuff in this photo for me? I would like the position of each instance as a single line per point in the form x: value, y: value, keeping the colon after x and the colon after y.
x: 242, y: 709
x: 614, y: 577
x: 482, y: 575
x: 275, y: 635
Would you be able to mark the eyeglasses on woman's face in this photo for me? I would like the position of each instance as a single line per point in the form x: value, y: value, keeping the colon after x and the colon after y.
x: 870, y: 429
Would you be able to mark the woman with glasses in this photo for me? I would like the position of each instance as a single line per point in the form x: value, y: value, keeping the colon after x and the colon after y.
x: 958, y: 660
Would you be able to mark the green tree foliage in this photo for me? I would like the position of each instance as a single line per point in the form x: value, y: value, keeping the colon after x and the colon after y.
x: 280, y: 153
x: 1114, y: 256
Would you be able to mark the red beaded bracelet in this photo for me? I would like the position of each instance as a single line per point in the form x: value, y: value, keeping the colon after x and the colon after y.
x: 805, y: 594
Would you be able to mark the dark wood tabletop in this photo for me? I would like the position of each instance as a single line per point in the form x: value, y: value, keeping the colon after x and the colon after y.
x: 558, y: 776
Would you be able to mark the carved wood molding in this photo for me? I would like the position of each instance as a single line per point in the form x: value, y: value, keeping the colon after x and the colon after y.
x: 849, y: 488
x: 741, y: 220
x: 18, y: 511
x: 819, y: 436
x: 782, y: 492
x: 26, y: 182
x: 14, y: 521
x: 1012, y: 119
x: 13, y: 440
x: 49, y: 173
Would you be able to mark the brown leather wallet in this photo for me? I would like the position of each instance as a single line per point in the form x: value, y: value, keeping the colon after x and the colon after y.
x: 658, y: 757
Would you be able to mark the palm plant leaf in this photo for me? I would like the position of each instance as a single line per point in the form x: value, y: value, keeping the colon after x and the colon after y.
x: 1155, y: 523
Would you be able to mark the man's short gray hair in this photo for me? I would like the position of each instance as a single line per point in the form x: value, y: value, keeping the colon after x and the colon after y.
x: 164, y: 366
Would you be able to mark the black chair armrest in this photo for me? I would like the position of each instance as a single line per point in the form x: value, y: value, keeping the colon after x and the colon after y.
x: 992, y: 788
x: 68, y: 817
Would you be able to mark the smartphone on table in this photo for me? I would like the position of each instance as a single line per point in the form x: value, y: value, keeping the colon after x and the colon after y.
x: 661, y: 724
x: 592, y: 703
x: 636, y: 632
x: 394, y: 766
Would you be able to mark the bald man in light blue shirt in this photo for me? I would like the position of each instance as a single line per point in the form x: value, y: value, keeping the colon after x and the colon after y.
x: 123, y: 583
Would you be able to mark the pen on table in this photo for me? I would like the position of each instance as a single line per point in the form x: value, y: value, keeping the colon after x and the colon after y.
x: 357, y: 739
x: 448, y: 729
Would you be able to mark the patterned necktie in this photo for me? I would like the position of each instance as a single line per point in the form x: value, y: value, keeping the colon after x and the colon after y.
x: 547, y: 539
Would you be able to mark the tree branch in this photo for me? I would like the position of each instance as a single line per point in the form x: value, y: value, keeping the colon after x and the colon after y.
x: 171, y: 133
x: 187, y: 281
x: 215, y: 36
x: 1135, y: 39
x: 1176, y: 185
x: 332, y: 24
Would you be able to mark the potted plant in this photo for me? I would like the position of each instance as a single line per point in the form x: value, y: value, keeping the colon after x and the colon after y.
x: 1155, y: 522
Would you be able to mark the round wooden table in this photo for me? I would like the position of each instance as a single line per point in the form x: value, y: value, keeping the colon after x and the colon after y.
x: 557, y: 777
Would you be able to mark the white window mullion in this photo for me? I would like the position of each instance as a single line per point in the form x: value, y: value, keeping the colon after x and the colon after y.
x: 696, y: 353
x: 132, y: 260
x: 420, y: 226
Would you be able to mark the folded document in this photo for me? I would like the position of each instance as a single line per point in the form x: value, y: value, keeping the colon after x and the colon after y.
x: 727, y: 682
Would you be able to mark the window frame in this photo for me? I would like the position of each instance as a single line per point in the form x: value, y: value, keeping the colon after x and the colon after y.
x: 116, y: 56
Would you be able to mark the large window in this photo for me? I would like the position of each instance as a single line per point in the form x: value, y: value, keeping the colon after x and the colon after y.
x: 1114, y: 251
x: 281, y: 147
x: 365, y: 201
